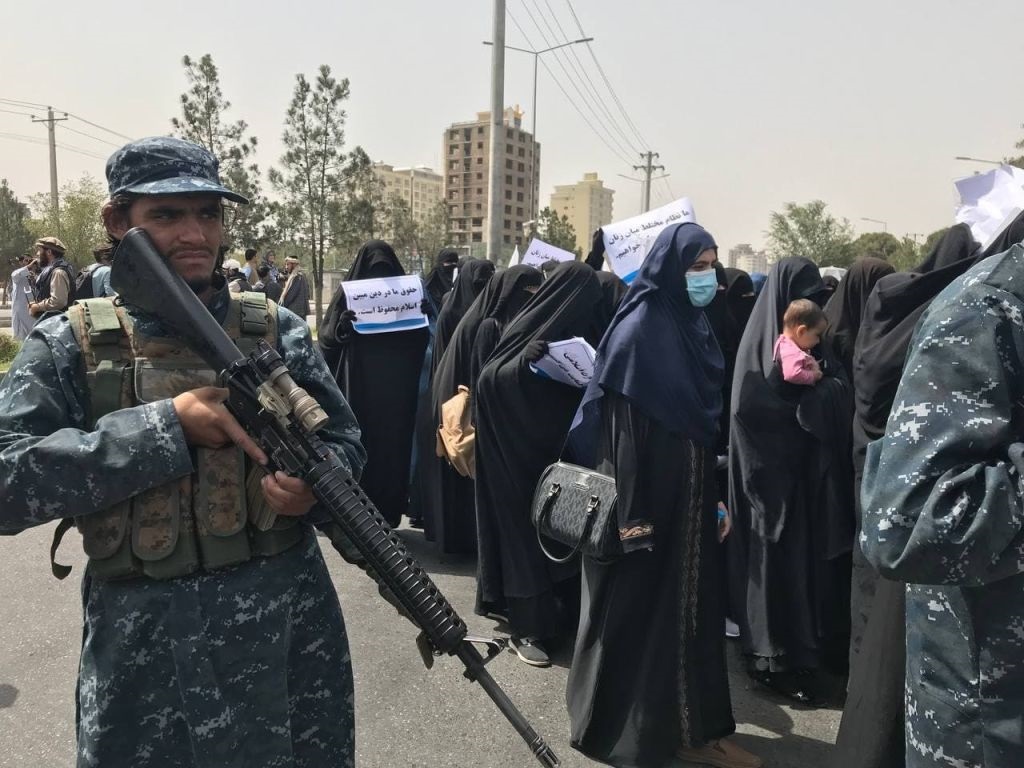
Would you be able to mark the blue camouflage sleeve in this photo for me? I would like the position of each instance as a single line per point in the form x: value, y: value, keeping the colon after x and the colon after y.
x: 307, y: 366
x: 50, y: 466
x: 943, y: 497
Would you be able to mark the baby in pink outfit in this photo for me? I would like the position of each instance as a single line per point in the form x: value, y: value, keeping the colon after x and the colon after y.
x: 803, y: 325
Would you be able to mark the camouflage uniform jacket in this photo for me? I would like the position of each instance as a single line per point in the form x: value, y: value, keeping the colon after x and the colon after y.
x: 944, y: 511
x: 243, y: 666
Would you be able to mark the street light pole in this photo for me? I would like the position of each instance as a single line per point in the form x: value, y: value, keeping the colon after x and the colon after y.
x: 533, y: 121
x: 885, y: 225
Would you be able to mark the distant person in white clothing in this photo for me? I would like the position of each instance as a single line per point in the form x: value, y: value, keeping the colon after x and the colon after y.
x: 21, y: 295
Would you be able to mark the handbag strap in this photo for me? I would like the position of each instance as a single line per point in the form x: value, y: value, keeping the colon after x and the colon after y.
x: 549, y: 502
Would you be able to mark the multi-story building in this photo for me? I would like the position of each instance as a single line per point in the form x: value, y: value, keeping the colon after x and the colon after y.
x: 744, y: 257
x: 467, y: 165
x: 420, y: 187
x: 588, y: 206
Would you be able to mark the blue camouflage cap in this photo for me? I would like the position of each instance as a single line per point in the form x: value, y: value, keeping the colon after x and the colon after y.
x: 164, y: 165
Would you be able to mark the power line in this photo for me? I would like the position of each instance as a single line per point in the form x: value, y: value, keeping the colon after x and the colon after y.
x: 44, y: 142
x: 585, y: 76
x: 95, y: 125
x: 18, y: 103
x: 607, y: 82
x: 566, y: 93
x: 89, y: 136
x: 12, y: 112
x: 559, y: 54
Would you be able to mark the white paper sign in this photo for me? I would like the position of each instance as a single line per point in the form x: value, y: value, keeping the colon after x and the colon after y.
x: 627, y: 243
x: 539, y: 252
x: 386, y: 304
x: 570, y: 362
x: 989, y: 202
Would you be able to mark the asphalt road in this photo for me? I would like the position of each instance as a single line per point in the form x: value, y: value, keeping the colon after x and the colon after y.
x: 405, y: 715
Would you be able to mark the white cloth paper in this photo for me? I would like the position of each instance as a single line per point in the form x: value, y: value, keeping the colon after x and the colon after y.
x: 570, y: 362
x: 386, y: 304
x: 514, y: 260
x: 627, y: 243
x: 989, y: 202
x: 539, y: 252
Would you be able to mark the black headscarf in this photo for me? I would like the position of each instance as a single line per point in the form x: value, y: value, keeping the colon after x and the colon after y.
x: 473, y: 277
x: 741, y: 296
x: 845, y: 308
x: 613, y: 290
x: 887, y: 325
x: 660, y: 352
x: 440, y: 279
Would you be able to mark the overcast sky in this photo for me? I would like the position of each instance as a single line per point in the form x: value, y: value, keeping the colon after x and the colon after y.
x: 749, y: 103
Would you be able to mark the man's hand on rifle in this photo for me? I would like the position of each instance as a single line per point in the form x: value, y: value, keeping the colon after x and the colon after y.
x: 206, y: 422
x: 289, y: 496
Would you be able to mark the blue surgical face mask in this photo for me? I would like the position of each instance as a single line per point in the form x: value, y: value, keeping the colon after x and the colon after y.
x: 702, y: 287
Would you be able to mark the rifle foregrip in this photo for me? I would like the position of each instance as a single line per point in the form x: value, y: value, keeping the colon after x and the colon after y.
x: 386, y: 554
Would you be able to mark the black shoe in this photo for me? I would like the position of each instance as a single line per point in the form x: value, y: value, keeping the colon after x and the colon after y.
x: 530, y: 651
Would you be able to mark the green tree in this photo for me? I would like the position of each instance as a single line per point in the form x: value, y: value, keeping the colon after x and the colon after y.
x: 81, y: 227
x: 555, y: 230
x: 435, y: 232
x: 402, y: 231
x: 810, y: 231
x: 1019, y: 159
x: 360, y: 212
x: 15, y: 236
x: 932, y: 241
x: 203, y: 109
x: 902, y: 254
x: 311, y: 177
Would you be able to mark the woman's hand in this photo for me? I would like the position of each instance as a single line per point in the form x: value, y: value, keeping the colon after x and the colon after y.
x: 724, y: 521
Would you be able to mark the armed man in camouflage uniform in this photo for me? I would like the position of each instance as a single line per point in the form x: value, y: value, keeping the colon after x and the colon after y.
x: 944, y: 511
x: 207, y: 642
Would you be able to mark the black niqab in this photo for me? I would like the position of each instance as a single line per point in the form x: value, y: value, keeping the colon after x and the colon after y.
x: 440, y: 279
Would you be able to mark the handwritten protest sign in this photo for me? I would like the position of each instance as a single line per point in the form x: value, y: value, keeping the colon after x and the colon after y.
x: 387, y: 304
x: 539, y: 252
x: 989, y: 202
x: 627, y: 243
x: 570, y: 362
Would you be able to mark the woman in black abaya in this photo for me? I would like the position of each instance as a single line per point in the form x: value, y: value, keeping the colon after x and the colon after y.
x: 521, y: 423
x: 871, y: 734
x: 648, y: 677
x: 789, y: 492
x: 845, y: 308
x: 472, y: 279
x: 741, y: 296
x: 379, y: 375
x: 439, y: 280
x: 450, y: 508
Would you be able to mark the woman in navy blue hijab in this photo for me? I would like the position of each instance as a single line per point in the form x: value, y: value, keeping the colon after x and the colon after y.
x: 648, y: 678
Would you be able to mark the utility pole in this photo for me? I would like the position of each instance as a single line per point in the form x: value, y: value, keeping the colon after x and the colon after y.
x: 51, y: 123
x: 497, y: 170
x: 648, y: 168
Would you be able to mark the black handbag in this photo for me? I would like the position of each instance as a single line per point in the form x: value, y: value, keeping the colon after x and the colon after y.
x: 576, y: 507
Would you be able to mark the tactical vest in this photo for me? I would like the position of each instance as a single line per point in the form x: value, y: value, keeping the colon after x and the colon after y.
x: 198, y: 522
x: 43, y: 283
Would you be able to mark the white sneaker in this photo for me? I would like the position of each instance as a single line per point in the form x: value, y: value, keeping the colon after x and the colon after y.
x: 732, y: 629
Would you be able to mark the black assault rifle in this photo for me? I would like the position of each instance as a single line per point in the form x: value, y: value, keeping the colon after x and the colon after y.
x: 283, y: 419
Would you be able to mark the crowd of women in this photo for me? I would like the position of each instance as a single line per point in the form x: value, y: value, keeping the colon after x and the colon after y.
x: 737, y: 482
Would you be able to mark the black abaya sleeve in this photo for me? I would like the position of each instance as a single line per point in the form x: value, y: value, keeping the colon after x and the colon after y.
x: 625, y: 432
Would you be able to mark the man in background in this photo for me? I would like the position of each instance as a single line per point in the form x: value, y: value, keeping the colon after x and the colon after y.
x: 21, y: 295
x: 295, y: 295
x: 55, y: 284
